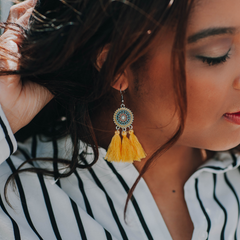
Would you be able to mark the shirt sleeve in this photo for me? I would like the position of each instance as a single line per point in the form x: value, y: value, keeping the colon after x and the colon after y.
x: 8, y: 144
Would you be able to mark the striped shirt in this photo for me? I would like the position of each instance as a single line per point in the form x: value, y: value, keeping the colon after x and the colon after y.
x: 89, y: 204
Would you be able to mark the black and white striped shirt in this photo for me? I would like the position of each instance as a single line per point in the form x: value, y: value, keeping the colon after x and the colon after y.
x: 90, y: 203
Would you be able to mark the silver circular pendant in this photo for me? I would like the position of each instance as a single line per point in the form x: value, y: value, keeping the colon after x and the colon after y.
x: 123, y: 117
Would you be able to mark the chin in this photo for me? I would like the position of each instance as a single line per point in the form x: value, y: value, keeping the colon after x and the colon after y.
x: 223, y: 146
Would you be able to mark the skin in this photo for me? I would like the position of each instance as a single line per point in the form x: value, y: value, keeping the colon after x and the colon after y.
x: 212, y: 91
x: 20, y: 102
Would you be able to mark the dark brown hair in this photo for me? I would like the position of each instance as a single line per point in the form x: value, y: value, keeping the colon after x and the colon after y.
x: 60, y: 49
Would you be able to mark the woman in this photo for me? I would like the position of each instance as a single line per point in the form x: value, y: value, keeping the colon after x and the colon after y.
x: 175, y: 65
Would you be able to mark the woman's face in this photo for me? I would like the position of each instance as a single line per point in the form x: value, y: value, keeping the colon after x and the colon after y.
x: 213, y: 81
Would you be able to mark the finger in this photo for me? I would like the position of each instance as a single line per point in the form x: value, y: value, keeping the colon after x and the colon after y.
x: 24, y: 19
x: 11, y: 35
x: 27, y: 4
x: 16, y: 11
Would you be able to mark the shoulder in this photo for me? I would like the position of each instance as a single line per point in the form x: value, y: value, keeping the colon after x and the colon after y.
x: 41, y: 208
x: 72, y: 206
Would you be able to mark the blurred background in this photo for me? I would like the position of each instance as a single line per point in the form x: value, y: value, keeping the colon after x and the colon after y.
x: 4, y: 7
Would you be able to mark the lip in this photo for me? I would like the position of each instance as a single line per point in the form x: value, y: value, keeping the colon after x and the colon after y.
x: 233, y: 117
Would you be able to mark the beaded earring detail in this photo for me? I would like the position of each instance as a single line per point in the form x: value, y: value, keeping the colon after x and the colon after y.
x: 124, y: 149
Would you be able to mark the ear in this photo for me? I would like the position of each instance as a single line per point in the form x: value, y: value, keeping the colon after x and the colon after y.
x: 121, y: 82
x: 101, y: 57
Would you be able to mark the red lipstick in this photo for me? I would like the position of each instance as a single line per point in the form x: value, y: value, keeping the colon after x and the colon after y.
x: 233, y: 117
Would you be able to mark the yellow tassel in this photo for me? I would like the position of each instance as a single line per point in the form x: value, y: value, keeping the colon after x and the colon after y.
x: 127, y: 149
x: 114, y: 149
x: 139, y: 152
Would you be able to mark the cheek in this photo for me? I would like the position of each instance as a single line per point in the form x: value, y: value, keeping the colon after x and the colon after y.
x: 153, y: 101
x: 209, y: 96
x: 159, y: 93
x: 208, y: 92
x: 203, y: 102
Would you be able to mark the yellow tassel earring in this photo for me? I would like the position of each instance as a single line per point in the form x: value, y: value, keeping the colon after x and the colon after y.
x: 125, y: 149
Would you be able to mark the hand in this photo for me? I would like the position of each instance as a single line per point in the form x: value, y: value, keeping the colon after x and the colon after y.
x: 20, y: 102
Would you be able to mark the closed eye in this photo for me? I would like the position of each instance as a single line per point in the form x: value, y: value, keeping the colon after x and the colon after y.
x: 215, y: 61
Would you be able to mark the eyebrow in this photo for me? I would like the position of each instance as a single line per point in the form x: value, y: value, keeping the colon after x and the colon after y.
x: 211, y: 32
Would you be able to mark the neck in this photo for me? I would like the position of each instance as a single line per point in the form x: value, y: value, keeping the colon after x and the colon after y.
x: 176, y: 165
x: 170, y: 171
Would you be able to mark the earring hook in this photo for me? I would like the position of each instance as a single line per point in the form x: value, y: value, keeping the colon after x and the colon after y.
x: 122, y: 100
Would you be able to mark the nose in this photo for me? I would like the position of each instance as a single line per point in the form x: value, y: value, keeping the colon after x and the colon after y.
x: 236, y: 83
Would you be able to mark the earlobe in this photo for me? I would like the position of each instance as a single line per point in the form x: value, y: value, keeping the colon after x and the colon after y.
x: 121, y: 83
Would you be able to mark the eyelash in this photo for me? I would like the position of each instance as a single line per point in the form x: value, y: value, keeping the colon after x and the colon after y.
x: 215, y: 61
